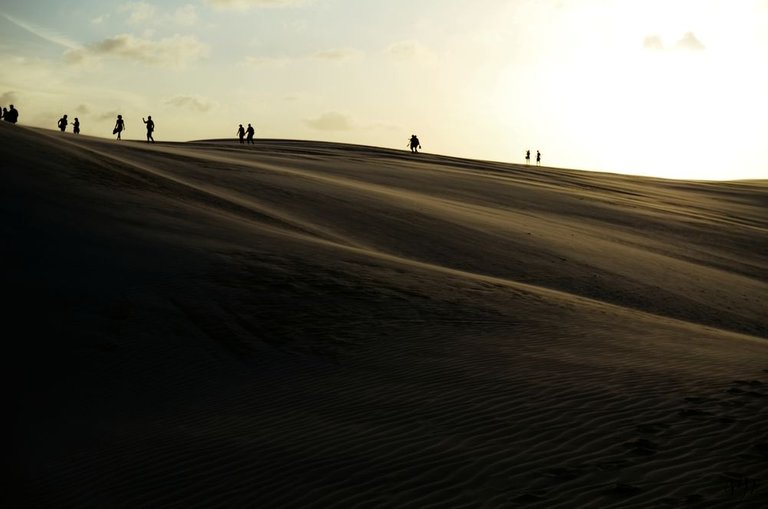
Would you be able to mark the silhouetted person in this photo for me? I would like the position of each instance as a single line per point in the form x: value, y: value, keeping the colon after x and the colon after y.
x: 249, y: 132
x: 241, y: 133
x: 12, y: 115
x: 538, y: 158
x: 63, y: 123
x: 414, y: 143
x: 150, y: 128
x: 119, y: 127
x: 76, y: 126
x: 527, y: 157
x: 2, y: 114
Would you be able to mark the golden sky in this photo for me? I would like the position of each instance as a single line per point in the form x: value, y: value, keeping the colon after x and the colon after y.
x: 672, y: 88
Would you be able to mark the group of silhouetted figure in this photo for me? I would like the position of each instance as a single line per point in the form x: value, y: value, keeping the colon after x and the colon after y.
x: 120, y: 127
x: 10, y: 114
x: 245, y: 133
x: 528, y: 157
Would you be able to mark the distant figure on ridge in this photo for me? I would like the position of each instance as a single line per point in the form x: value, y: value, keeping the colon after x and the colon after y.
x: 119, y: 127
x: 527, y: 157
x: 150, y: 128
x: 12, y: 115
x: 63, y: 123
x: 414, y: 143
x: 76, y: 126
x: 538, y: 158
x: 241, y: 133
x: 250, y: 134
x: 2, y: 115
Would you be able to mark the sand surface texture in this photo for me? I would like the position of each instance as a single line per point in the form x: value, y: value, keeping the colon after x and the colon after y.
x: 306, y: 324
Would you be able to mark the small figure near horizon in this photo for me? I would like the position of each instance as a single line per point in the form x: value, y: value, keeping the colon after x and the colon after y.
x: 150, y: 127
x: 414, y: 143
x: 2, y: 114
x: 250, y: 132
x: 119, y: 127
x: 538, y: 158
x: 63, y: 123
x: 527, y: 157
x: 12, y: 115
x: 241, y: 133
x: 76, y: 126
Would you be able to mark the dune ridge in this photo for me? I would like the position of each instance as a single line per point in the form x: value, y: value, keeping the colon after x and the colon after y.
x: 299, y: 324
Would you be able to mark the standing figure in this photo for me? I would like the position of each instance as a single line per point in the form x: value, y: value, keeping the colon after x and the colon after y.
x: 76, y: 126
x: 241, y: 133
x: 12, y: 115
x: 63, y: 123
x: 414, y: 143
x: 249, y: 131
x: 150, y: 128
x: 2, y: 113
x: 119, y: 127
x: 538, y: 158
x: 527, y: 157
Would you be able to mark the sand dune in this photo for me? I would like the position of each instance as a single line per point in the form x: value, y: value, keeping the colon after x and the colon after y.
x: 306, y: 324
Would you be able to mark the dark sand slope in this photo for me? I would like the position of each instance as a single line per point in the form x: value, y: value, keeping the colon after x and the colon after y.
x: 301, y: 324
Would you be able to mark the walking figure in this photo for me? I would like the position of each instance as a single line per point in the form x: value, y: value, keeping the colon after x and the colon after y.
x: 241, y: 133
x: 119, y: 127
x: 150, y: 128
x: 414, y: 143
x: 250, y: 134
x: 538, y: 158
x: 527, y: 157
x: 63, y: 123
x: 76, y: 126
x: 2, y: 113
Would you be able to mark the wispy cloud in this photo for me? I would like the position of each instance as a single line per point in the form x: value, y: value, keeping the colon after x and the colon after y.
x: 139, y: 12
x: 43, y: 33
x: 246, y: 4
x: 408, y: 50
x: 175, y: 51
x: 8, y: 98
x: 336, y: 54
x: 192, y: 102
x: 331, y: 121
x: 689, y: 42
x: 98, y: 20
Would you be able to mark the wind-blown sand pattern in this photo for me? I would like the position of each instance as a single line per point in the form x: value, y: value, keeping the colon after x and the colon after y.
x: 305, y: 324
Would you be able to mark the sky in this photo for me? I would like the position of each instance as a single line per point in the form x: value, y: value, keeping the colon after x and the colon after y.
x: 668, y: 88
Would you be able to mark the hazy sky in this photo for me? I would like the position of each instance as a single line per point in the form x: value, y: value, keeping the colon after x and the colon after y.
x: 675, y: 88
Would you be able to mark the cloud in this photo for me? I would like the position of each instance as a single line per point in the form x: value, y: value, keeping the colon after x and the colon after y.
x: 408, y: 50
x: 192, y: 102
x: 82, y: 109
x: 246, y: 4
x: 337, y: 54
x: 8, y: 98
x: 175, y: 51
x: 653, y: 42
x: 689, y: 42
x: 332, y: 121
x: 139, y: 12
x: 185, y: 15
x: 43, y: 33
x: 109, y: 115
x: 265, y: 61
x: 100, y: 19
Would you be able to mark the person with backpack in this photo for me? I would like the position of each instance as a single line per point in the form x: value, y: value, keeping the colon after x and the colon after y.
x: 63, y: 123
x: 250, y: 132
